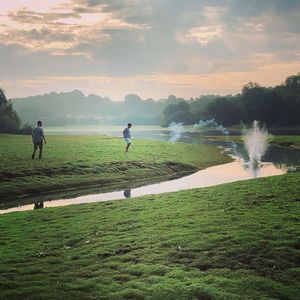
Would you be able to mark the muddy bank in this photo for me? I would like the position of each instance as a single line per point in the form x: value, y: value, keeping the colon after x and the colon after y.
x: 101, y: 177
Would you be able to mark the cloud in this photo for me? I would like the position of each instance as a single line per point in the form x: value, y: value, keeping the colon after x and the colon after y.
x: 44, y: 34
x: 24, y: 15
x: 202, y: 35
x: 20, y: 62
x: 62, y: 32
x: 141, y: 38
x: 154, y: 86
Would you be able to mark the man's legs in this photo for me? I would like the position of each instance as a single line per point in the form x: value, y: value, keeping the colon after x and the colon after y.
x: 35, y: 146
x: 127, y: 147
x: 40, y: 150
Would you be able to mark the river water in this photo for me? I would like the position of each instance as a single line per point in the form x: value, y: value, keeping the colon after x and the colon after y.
x: 276, y: 161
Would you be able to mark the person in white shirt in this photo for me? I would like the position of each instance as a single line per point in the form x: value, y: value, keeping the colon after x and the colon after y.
x: 127, y: 136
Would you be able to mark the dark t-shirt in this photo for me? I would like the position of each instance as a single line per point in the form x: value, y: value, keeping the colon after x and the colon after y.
x: 37, y: 135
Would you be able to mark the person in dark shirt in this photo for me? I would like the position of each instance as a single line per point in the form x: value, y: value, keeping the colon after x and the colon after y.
x: 37, y: 139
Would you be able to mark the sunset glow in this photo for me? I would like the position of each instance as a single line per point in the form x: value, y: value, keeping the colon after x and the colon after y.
x: 153, y: 49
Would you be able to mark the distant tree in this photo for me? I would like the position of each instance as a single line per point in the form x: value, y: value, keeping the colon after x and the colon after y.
x: 26, y: 129
x: 179, y: 112
x: 172, y: 99
x: 199, y: 104
x: 293, y: 82
x: 251, y: 101
x: 223, y: 110
x: 173, y: 108
x: 182, y: 106
x: 9, y: 120
x: 170, y: 110
x: 290, y: 94
x: 273, y: 106
x: 132, y: 99
x: 133, y: 104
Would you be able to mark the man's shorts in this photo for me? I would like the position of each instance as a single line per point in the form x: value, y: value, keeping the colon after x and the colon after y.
x: 127, y: 140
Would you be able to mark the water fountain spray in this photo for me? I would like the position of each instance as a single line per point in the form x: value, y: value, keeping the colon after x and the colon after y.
x: 256, y: 143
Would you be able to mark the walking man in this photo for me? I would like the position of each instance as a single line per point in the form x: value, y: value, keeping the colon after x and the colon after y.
x: 37, y: 139
x: 127, y: 136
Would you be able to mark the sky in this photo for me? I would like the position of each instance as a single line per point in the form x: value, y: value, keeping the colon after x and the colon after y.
x: 153, y: 48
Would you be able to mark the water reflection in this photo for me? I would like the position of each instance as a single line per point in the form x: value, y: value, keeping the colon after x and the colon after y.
x: 277, y: 155
x: 225, y: 173
x: 38, y: 205
x: 127, y: 193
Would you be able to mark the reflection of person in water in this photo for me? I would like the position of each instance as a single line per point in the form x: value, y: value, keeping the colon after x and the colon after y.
x: 127, y: 193
x: 38, y: 205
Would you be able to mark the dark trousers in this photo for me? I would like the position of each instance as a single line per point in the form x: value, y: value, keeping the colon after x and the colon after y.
x: 40, y: 146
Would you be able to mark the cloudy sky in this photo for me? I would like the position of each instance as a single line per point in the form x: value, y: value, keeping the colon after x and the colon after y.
x: 150, y: 47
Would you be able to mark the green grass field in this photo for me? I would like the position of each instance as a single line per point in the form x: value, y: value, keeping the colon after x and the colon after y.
x: 286, y: 140
x: 82, y: 161
x: 234, y: 241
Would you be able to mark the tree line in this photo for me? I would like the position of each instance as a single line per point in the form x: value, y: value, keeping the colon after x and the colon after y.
x: 272, y: 106
x: 74, y: 108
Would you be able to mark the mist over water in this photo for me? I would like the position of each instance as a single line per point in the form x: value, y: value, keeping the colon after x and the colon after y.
x: 255, y: 140
x: 210, y: 124
x: 176, y: 131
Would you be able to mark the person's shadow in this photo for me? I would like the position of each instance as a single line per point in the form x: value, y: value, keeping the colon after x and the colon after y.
x: 38, y: 205
x: 127, y: 193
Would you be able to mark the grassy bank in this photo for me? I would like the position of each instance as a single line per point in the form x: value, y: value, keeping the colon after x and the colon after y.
x: 286, y: 140
x: 290, y: 141
x: 234, y: 241
x: 81, y: 161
